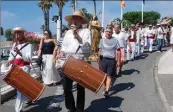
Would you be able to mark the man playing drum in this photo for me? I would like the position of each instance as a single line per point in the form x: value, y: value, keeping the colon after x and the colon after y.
x: 20, y: 56
x: 77, y: 42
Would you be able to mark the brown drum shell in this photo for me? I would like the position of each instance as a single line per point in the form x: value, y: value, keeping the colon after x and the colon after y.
x: 24, y: 83
x: 84, y: 74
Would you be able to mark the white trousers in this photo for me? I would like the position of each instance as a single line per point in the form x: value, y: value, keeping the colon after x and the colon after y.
x: 150, y: 44
x: 138, y: 48
x: 21, y: 98
x: 50, y: 74
x: 142, y: 45
x: 131, y: 55
x: 145, y: 43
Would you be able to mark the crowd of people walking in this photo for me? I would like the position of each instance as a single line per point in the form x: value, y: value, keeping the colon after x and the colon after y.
x: 116, y: 46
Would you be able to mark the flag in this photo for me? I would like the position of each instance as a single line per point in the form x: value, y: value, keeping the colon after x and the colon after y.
x: 123, y: 5
x: 143, y: 1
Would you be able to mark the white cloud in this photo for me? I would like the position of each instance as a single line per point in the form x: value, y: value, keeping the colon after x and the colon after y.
x: 7, y: 14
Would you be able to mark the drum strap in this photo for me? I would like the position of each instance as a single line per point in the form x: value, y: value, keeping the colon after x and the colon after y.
x: 19, y: 50
x: 77, y: 49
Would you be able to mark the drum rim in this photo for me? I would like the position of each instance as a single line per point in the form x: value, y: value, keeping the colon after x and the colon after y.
x: 66, y: 62
x: 101, y: 84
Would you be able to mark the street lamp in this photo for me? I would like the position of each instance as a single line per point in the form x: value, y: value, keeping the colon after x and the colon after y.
x: 57, y: 20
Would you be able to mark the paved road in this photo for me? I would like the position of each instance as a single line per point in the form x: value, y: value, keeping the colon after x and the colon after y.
x: 135, y: 91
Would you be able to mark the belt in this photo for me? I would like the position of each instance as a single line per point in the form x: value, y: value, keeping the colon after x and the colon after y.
x: 131, y: 40
x: 108, y: 58
x: 151, y: 37
x: 19, y: 62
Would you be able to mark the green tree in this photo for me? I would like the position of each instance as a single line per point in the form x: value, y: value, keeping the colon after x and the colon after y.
x: 45, y: 5
x: 126, y: 23
x: 8, y: 34
x: 87, y: 14
x: 171, y: 20
x: 135, y: 17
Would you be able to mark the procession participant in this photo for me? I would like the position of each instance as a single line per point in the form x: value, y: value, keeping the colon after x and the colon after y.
x: 131, y: 47
x: 160, y: 37
x: 171, y: 37
x: 165, y: 28
x: 145, y: 34
x: 121, y: 37
x: 77, y: 42
x: 108, y: 47
x: 47, y: 49
x: 142, y: 36
x: 150, y: 38
x: 20, y: 55
x: 138, y: 40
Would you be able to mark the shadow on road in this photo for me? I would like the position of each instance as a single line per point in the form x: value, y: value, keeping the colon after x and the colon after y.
x: 106, y: 105
x: 121, y: 87
x: 130, y: 71
x: 46, y: 104
x: 143, y: 56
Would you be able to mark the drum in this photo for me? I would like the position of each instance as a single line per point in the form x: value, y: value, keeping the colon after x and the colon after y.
x: 83, y: 73
x: 24, y: 83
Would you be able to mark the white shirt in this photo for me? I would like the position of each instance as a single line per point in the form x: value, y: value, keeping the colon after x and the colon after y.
x: 70, y: 44
x: 121, y: 38
x: 150, y: 32
x: 138, y: 35
x: 26, y: 52
x: 171, y: 32
x: 160, y: 36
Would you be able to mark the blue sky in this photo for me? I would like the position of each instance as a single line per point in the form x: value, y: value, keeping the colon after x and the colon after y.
x: 28, y: 15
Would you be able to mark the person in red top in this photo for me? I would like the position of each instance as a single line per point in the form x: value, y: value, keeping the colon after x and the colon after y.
x: 20, y: 55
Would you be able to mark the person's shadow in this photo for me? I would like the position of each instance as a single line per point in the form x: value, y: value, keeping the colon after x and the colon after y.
x: 106, y: 105
x: 143, y: 56
x: 46, y: 104
x: 121, y: 87
x: 130, y: 71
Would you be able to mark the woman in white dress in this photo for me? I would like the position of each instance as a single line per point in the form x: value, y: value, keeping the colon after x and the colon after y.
x: 47, y: 49
x: 171, y: 37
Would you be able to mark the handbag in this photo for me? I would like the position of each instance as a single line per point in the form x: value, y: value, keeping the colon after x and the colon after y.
x: 39, y: 61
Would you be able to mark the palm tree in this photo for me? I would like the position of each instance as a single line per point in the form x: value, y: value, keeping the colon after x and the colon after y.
x: 45, y: 5
x: 42, y: 28
x: 95, y: 11
x: 60, y: 4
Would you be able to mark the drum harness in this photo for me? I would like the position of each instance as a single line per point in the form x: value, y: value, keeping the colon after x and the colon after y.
x: 17, y: 54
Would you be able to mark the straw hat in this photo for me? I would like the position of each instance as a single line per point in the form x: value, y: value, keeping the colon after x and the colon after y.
x: 18, y: 29
x: 76, y: 14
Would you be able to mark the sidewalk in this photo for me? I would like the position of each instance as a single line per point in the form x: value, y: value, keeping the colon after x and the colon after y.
x: 165, y: 76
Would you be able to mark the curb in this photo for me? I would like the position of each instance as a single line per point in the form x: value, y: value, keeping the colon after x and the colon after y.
x: 7, y: 92
x: 159, y: 87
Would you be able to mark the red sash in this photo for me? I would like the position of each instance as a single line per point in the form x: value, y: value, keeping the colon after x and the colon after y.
x: 19, y: 62
x: 150, y: 37
x: 131, y: 40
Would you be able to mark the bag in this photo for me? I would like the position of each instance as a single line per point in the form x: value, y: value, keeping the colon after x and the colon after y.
x: 39, y: 61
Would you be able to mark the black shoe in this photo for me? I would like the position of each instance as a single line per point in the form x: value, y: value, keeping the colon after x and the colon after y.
x: 29, y: 104
x: 106, y: 94
x: 74, y: 110
x: 120, y: 73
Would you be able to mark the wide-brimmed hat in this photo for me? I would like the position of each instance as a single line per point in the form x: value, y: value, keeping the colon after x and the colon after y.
x: 18, y: 29
x: 76, y: 14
